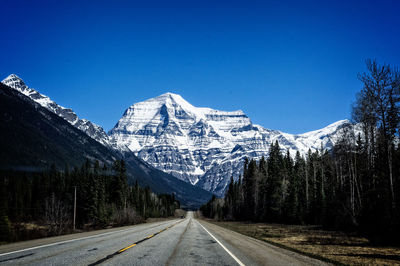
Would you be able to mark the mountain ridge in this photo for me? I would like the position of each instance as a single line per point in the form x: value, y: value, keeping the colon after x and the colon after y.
x: 94, y: 131
x: 204, y: 146
x: 199, y: 145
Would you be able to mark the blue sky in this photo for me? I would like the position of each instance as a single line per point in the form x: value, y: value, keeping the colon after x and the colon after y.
x: 289, y: 65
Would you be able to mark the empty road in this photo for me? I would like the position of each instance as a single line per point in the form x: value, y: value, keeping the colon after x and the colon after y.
x: 176, y: 242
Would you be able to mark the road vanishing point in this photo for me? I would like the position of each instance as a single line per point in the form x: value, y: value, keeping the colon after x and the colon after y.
x: 186, y: 241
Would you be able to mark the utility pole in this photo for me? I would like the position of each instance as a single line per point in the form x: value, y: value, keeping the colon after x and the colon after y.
x: 74, y: 206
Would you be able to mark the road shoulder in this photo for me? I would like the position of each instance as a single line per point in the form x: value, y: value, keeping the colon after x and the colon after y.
x: 260, y: 252
x: 6, y: 248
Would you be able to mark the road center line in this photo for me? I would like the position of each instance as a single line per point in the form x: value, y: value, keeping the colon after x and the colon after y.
x: 227, y: 250
x: 66, y: 241
x: 130, y: 246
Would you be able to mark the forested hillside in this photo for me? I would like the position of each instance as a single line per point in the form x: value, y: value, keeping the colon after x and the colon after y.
x: 103, y: 198
x: 353, y: 186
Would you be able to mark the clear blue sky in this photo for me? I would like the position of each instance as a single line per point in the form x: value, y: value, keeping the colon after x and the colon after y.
x: 290, y: 66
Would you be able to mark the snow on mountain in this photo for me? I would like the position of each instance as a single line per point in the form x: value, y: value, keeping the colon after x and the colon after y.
x: 202, y: 146
x: 94, y: 131
x: 205, y: 146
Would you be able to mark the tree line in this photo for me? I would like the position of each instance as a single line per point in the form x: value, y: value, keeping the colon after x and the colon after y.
x: 103, y: 198
x: 355, y: 185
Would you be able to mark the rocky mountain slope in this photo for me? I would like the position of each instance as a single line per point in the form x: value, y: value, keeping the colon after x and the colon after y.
x: 204, y: 146
x: 94, y: 131
x: 34, y: 137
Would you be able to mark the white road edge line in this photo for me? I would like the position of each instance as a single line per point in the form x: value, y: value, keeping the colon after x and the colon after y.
x: 63, y: 242
x: 227, y: 250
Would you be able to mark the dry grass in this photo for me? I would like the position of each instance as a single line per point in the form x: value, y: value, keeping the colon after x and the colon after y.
x: 333, y: 246
x: 33, y: 226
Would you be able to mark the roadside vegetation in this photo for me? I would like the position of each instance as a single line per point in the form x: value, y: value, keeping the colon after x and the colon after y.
x: 332, y: 246
x: 354, y: 187
x: 39, y: 204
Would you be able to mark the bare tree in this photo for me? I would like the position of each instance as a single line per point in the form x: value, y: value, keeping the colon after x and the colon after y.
x: 378, y: 107
x: 56, y: 215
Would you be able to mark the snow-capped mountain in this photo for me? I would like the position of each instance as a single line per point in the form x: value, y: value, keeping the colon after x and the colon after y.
x: 201, y: 146
x: 94, y: 131
x: 204, y: 146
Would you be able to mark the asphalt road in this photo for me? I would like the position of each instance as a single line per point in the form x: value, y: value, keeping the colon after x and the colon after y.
x: 176, y: 242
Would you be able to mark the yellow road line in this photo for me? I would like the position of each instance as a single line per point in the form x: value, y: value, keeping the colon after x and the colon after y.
x: 128, y: 247
x: 150, y: 236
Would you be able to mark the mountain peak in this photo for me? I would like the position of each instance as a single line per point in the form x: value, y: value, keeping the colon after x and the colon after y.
x: 170, y: 101
x: 170, y: 94
x: 14, y: 81
x: 329, y: 129
x: 12, y: 76
x: 173, y: 98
